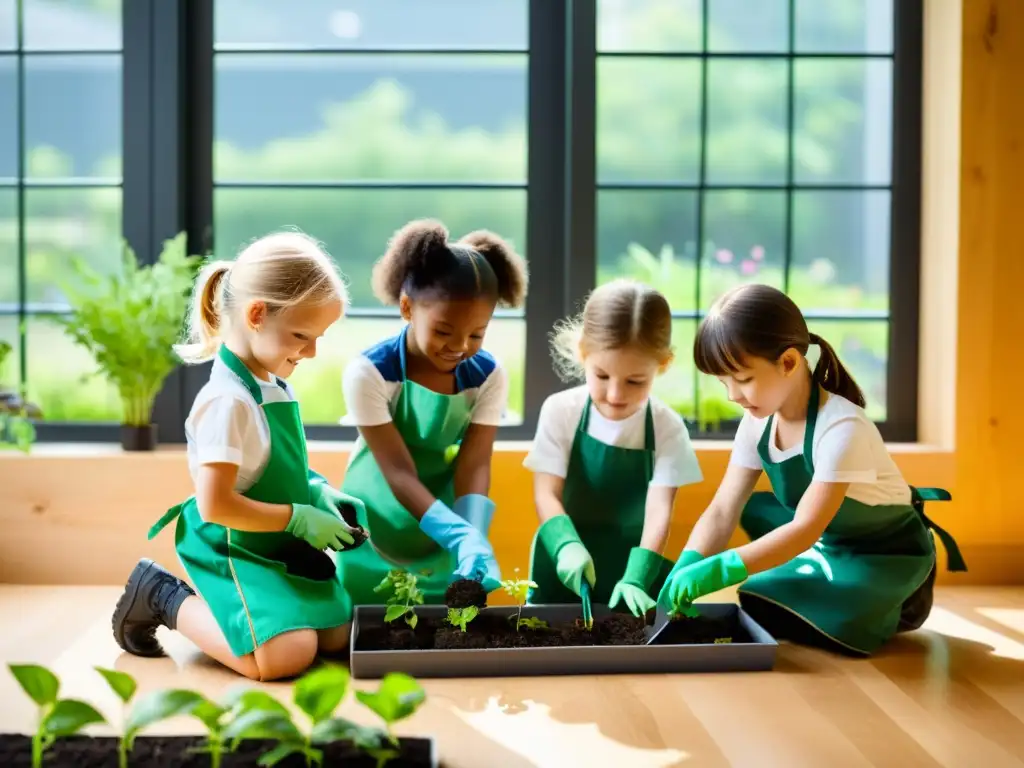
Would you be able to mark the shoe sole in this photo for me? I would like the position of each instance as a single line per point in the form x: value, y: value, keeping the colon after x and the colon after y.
x: 124, y: 606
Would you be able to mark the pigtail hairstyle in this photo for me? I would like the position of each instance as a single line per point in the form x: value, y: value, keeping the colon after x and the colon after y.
x: 617, y: 315
x: 421, y: 262
x: 204, y: 320
x: 832, y: 374
x: 756, y: 320
x: 281, y: 270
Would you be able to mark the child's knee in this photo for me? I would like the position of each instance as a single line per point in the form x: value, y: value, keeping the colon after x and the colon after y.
x: 286, y: 655
x: 336, y: 638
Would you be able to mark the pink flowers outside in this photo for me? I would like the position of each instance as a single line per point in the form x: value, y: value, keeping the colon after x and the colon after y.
x: 723, y: 256
x: 748, y: 267
x: 757, y: 253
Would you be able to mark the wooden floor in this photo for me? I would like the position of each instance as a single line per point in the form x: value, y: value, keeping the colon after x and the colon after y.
x: 951, y: 694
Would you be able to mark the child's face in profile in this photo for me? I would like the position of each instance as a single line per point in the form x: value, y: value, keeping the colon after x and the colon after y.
x: 285, y: 338
x: 619, y: 380
x: 447, y: 332
x: 761, y: 386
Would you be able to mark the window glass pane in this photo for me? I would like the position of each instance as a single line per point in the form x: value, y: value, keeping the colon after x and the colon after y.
x: 744, y: 241
x: 744, y: 26
x: 843, y: 121
x: 840, y: 250
x: 675, y: 386
x: 73, y: 25
x: 87, y: 87
x: 649, y: 133
x: 649, y: 25
x: 650, y: 236
x: 844, y: 26
x: 64, y: 223
x: 441, y: 118
x: 10, y: 375
x: 356, y: 224
x: 863, y: 348
x: 8, y: 117
x: 317, y: 382
x: 8, y: 25
x: 60, y: 380
x: 9, y: 248
x: 463, y: 24
x: 747, y: 121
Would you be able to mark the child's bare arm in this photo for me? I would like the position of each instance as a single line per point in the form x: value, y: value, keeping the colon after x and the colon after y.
x: 658, y: 517
x: 714, y: 528
x: 220, y: 503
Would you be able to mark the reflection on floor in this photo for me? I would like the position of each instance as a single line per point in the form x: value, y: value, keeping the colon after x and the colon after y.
x: 951, y: 694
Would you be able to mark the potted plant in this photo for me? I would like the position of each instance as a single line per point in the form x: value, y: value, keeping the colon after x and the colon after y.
x: 15, y: 413
x: 129, y: 322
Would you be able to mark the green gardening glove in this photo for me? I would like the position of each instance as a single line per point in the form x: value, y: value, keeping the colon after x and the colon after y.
x: 321, y: 531
x: 572, y: 560
x: 702, y: 578
x: 641, y: 570
x: 326, y: 497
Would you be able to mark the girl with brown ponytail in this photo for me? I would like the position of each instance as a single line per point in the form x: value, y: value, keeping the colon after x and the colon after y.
x: 841, y: 554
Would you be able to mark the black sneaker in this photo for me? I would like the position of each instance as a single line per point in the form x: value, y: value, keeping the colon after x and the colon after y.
x: 916, y: 608
x: 151, y: 599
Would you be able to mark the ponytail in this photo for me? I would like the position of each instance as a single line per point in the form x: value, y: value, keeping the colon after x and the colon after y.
x: 204, y: 322
x: 832, y: 375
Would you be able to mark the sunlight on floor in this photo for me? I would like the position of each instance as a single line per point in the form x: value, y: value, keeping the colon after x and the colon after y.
x: 1011, y: 618
x: 946, y: 622
x: 532, y: 733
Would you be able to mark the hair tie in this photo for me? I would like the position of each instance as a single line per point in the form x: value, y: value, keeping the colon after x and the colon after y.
x: 814, y: 338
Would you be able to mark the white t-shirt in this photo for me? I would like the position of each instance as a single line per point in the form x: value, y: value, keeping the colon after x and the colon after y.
x: 373, y: 381
x: 847, y: 448
x: 675, y: 462
x: 225, y: 426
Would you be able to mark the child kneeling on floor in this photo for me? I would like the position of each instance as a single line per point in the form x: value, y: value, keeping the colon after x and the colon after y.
x: 252, y: 538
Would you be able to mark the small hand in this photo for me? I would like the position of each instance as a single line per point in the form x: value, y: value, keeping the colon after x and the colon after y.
x: 703, y: 578
x: 573, y: 564
x: 638, y: 601
x: 473, y: 553
x: 335, y: 502
x: 322, y: 531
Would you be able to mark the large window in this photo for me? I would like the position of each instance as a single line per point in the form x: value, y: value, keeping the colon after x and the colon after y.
x: 693, y: 144
x: 60, y: 189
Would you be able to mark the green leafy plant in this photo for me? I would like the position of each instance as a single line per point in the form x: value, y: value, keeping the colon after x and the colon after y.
x: 318, y: 694
x: 460, y: 617
x: 164, y: 704
x: 519, y: 589
x: 16, y: 414
x: 124, y: 686
x: 129, y: 322
x: 533, y: 622
x: 57, y: 717
x: 405, y: 594
x: 722, y: 640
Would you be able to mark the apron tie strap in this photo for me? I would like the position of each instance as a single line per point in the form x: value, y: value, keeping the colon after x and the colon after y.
x: 169, y: 515
x: 954, y: 558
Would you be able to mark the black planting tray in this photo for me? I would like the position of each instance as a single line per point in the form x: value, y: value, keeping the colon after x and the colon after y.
x: 758, y: 655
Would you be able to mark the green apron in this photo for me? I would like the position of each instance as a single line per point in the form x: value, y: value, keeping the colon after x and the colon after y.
x: 259, y: 585
x: 429, y: 423
x: 851, y: 585
x: 605, y: 496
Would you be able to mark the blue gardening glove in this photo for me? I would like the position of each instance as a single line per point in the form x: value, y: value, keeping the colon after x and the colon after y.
x: 321, y: 531
x: 573, y: 562
x: 702, y: 578
x: 641, y: 570
x: 472, y: 551
x: 329, y: 499
x: 476, y: 509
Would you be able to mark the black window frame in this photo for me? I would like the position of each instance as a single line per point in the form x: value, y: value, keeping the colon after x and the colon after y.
x: 168, y: 91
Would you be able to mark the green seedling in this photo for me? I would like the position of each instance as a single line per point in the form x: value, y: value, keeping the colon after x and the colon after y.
x: 162, y: 705
x: 720, y: 640
x: 404, y: 595
x: 533, y: 622
x: 460, y: 617
x: 398, y: 696
x: 57, y: 717
x: 519, y: 589
x: 124, y: 686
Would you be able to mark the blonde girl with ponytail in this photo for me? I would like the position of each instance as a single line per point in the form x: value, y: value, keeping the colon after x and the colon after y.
x: 254, y: 539
x: 841, y: 553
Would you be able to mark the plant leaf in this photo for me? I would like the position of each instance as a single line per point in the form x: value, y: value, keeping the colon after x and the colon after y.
x: 244, y: 699
x: 398, y: 696
x: 261, y: 724
x: 37, y: 681
x: 208, y: 713
x: 279, y: 753
x: 122, y: 684
x: 69, y: 716
x: 334, y: 729
x: 412, y: 620
x: 318, y: 693
x: 161, y: 705
x: 394, y: 612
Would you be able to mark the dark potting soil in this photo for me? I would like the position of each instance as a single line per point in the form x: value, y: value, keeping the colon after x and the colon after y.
x: 494, y: 631
x: 359, y: 534
x: 462, y: 593
x: 172, y: 752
